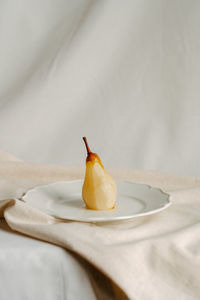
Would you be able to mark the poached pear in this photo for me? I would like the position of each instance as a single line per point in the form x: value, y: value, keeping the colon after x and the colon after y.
x: 99, y: 190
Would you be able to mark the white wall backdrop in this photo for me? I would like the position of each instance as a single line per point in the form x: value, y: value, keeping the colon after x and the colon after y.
x: 124, y: 73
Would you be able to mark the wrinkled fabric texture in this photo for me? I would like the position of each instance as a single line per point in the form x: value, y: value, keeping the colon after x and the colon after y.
x: 153, y: 257
x: 124, y: 74
x: 31, y: 269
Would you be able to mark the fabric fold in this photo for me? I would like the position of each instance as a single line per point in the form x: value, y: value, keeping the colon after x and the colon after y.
x: 156, y: 255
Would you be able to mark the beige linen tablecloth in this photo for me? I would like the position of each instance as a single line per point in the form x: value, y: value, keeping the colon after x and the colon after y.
x: 150, y: 258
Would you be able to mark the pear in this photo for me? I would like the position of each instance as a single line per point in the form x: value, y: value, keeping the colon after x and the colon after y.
x: 99, y: 190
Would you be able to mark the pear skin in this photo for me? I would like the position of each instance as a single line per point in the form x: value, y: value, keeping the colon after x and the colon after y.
x: 99, y: 190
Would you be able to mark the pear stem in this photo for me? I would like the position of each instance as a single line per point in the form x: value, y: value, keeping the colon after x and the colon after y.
x: 86, y: 145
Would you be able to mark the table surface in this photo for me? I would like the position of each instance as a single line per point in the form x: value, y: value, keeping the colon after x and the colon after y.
x: 31, y: 269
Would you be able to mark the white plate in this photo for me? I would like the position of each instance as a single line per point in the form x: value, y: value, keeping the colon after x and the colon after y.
x: 63, y: 200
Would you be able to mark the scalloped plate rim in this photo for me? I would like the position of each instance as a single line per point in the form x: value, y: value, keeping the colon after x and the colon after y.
x: 100, y: 219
